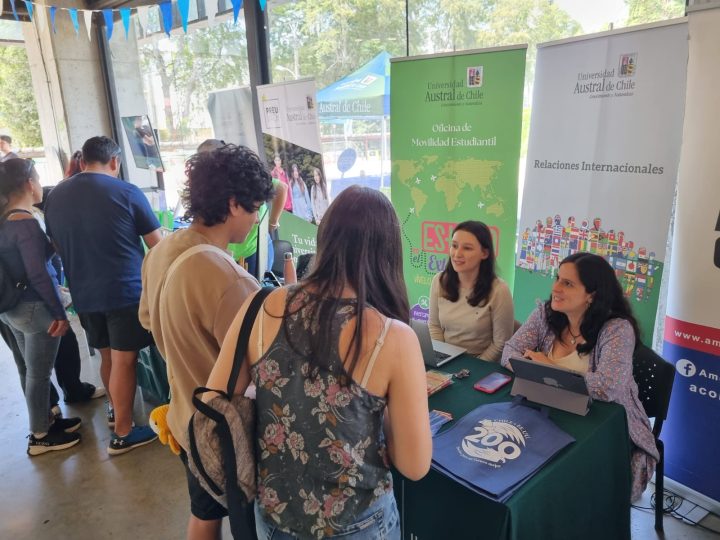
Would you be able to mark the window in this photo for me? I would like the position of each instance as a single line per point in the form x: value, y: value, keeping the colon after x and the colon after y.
x: 172, y: 80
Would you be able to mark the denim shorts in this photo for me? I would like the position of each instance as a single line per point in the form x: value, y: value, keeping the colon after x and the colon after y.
x: 379, y: 522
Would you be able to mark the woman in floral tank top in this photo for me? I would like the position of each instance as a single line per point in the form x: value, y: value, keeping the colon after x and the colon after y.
x: 340, y: 383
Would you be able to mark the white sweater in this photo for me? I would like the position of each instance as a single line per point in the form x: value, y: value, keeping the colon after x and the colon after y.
x: 482, y: 330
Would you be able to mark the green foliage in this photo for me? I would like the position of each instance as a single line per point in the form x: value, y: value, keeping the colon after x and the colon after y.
x: 526, y: 21
x: 447, y: 25
x: 327, y: 39
x: 18, y: 110
x: 646, y: 11
x: 189, y: 66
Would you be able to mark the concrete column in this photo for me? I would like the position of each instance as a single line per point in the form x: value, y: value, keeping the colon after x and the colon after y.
x: 69, y: 85
x: 126, y: 73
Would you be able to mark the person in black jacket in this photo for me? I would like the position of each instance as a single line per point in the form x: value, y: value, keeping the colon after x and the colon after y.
x: 38, y: 320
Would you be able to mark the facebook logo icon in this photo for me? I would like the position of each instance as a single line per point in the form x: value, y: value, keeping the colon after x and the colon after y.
x: 685, y: 368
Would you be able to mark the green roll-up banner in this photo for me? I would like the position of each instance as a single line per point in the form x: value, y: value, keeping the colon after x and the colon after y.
x: 455, y: 143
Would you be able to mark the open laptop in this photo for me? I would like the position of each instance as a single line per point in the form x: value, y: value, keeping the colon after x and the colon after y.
x: 435, y: 353
x: 550, y: 385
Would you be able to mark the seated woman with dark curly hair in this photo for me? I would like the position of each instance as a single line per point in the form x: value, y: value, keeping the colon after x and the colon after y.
x: 587, y: 326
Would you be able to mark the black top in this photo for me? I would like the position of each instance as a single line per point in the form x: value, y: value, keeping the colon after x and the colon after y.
x: 26, y: 252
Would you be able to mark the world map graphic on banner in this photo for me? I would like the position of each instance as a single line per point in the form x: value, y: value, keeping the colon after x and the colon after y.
x: 455, y: 144
x: 463, y: 182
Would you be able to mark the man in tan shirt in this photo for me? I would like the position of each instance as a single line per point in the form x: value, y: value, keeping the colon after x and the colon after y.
x: 192, y: 290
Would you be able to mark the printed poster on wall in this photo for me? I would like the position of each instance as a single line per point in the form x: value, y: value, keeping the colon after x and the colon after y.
x: 291, y: 139
x: 605, y: 134
x: 692, y: 324
x: 455, y: 145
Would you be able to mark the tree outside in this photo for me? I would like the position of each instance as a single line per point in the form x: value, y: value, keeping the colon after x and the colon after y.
x: 18, y: 110
x: 645, y: 11
x: 326, y: 39
x: 187, y: 68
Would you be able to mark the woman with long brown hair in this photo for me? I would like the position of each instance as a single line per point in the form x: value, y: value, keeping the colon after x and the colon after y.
x: 319, y: 195
x: 340, y: 382
x: 587, y: 326
x: 469, y: 305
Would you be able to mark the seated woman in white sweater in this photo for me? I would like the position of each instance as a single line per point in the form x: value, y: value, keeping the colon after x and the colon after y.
x: 469, y: 305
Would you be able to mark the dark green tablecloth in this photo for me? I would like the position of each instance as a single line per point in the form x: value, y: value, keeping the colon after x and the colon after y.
x: 583, y: 493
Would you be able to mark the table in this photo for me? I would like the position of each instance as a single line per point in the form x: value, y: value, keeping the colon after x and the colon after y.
x: 583, y: 493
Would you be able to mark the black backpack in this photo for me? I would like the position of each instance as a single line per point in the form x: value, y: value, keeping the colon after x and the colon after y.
x: 11, y: 289
x: 221, y: 434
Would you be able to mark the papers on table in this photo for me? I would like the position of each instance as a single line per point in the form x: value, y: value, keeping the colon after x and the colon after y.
x: 438, y: 419
x: 437, y: 380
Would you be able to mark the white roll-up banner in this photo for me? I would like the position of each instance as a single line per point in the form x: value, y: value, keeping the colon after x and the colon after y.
x: 692, y: 324
x: 291, y: 139
x: 603, y: 153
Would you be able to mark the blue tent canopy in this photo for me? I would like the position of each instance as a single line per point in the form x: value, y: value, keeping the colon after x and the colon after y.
x: 363, y: 93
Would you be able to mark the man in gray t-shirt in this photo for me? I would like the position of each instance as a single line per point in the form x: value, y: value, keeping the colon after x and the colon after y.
x: 6, y: 148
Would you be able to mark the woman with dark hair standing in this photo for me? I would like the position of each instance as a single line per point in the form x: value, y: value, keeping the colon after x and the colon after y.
x: 39, y: 319
x: 340, y: 383
x: 469, y: 305
x: 74, y: 164
x: 587, y: 326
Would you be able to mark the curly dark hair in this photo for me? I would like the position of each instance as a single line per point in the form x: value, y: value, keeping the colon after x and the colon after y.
x: 449, y: 279
x: 608, y: 302
x: 213, y: 178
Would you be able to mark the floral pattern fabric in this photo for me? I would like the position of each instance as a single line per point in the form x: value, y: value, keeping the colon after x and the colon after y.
x: 609, y: 378
x: 322, y: 458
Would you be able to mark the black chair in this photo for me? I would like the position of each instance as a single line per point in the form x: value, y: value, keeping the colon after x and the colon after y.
x: 280, y: 247
x: 654, y: 377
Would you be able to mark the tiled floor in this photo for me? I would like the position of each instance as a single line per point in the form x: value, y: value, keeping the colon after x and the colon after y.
x: 83, y: 494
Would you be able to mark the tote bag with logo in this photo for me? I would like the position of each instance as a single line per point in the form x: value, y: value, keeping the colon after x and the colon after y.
x: 496, y: 448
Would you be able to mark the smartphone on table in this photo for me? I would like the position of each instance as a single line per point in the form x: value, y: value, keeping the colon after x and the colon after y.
x: 492, y: 383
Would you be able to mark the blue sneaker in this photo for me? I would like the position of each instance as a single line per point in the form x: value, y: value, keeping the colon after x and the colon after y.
x: 138, y: 436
